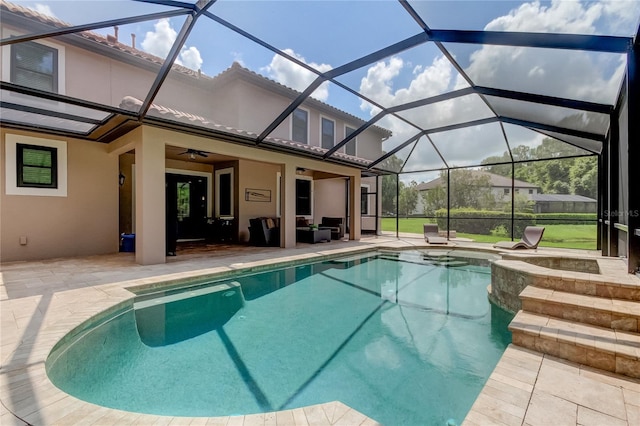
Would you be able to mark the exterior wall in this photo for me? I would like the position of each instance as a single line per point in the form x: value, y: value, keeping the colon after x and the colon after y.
x: 257, y: 108
x: 498, y: 192
x: 99, y: 79
x: 255, y: 175
x: 564, y: 207
x: 84, y: 222
x: 329, y: 199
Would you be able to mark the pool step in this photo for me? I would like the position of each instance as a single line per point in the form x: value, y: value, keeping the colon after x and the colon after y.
x: 605, y: 312
x: 599, y: 347
x: 444, y: 260
x: 624, y: 287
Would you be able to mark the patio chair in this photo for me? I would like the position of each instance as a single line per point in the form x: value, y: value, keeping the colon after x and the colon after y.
x: 530, y: 239
x: 432, y: 235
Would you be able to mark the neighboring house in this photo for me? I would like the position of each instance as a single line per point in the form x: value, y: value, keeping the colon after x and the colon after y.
x: 501, y: 187
x: 75, y: 196
x: 564, y: 203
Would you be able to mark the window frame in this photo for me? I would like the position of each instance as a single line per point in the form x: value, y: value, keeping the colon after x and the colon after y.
x: 310, y: 214
x: 14, y: 69
x: 7, y: 62
x: 324, y: 118
x: 364, y: 196
x: 53, y: 169
x: 218, y: 173
x: 11, y: 169
x: 353, y: 142
x: 293, y: 116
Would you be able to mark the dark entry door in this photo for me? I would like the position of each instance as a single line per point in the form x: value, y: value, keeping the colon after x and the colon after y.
x: 186, y: 207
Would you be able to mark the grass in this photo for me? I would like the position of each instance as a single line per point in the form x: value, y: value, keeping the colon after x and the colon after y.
x: 564, y: 236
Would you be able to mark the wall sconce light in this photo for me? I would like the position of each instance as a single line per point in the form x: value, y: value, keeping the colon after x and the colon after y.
x: 121, y: 179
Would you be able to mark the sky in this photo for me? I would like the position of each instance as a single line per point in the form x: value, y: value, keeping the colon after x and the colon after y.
x: 328, y: 34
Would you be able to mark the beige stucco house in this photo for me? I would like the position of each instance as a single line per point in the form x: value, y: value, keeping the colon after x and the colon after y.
x: 65, y: 196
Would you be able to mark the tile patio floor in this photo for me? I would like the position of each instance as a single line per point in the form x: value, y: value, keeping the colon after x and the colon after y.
x: 42, y: 301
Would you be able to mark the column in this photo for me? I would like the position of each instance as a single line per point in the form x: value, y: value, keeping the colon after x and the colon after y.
x: 150, y: 201
x: 288, y: 206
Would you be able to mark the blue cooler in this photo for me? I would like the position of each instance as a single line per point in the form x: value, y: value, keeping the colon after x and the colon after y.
x: 128, y: 242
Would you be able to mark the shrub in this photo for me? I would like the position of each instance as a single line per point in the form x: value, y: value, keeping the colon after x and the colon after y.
x: 483, y: 221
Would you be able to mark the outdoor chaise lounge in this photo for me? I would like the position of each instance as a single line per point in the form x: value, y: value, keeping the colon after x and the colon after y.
x: 530, y: 239
x: 431, y: 234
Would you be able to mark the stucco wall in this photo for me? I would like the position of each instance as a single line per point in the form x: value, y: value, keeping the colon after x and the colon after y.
x: 329, y: 199
x: 83, y: 222
x: 255, y: 175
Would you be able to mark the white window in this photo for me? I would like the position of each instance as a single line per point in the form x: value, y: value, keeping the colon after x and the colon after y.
x: 34, y: 65
x: 224, y: 193
x: 300, y: 126
x: 304, y: 196
x: 328, y: 133
x: 364, y: 199
x: 350, y: 147
x: 38, y: 65
x: 35, y: 166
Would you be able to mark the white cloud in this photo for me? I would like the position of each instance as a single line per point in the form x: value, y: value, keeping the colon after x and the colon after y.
x: 429, y: 81
x: 292, y: 75
x: 565, y: 16
x: 159, y: 42
x: 555, y: 72
x: 191, y: 58
x: 44, y: 9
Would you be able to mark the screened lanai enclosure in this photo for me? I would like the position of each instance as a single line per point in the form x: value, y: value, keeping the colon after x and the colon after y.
x: 493, y: 115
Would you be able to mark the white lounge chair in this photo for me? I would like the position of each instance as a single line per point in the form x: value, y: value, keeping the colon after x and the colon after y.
x: 530, y: 239
x: 431, y: 234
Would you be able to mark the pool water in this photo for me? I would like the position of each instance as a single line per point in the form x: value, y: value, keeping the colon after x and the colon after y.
x: 405, y: 338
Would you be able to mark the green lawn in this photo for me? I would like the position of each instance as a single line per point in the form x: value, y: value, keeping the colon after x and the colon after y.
x: 566, y: 236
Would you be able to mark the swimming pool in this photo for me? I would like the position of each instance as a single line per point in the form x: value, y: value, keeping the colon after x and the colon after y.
x: 405, y: 338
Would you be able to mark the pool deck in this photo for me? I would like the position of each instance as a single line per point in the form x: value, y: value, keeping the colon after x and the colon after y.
x: 42, y: 301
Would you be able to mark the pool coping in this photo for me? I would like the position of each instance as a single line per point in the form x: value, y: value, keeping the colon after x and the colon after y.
x: 35, y: 399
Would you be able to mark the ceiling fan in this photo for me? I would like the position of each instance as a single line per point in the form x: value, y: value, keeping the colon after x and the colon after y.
x: 193, y: 152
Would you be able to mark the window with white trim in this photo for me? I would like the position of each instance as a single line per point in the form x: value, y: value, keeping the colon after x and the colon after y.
x: 35, y: 65
x: 364, y: 199
x: 300, y: 126
x: 304, y: 196
x: 36, y: 166
x: 224, y: 193
x: 328, y: 133
x: 350, y: 147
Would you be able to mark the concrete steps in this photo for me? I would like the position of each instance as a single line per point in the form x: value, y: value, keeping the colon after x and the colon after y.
x: 582, y: 322
x: 604, y: 312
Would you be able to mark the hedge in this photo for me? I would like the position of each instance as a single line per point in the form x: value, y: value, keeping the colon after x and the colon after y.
x: 566, y: 218
x: 483, y: 221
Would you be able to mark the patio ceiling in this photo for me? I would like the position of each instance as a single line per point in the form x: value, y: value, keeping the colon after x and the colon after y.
x: 449, y: 89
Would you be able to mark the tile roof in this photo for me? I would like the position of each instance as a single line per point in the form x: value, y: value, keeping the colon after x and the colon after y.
x: 234, y: 70
x: 497, y: 181
x: 133, y: 104
x: 562, y: 198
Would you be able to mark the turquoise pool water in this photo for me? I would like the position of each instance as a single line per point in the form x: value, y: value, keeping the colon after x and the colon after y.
x: 405, y: 338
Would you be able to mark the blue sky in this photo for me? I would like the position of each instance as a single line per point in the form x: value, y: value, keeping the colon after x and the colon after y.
x: 327, y: 34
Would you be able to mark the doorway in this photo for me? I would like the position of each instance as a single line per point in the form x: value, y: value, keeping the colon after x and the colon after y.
x: 186, y: 203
